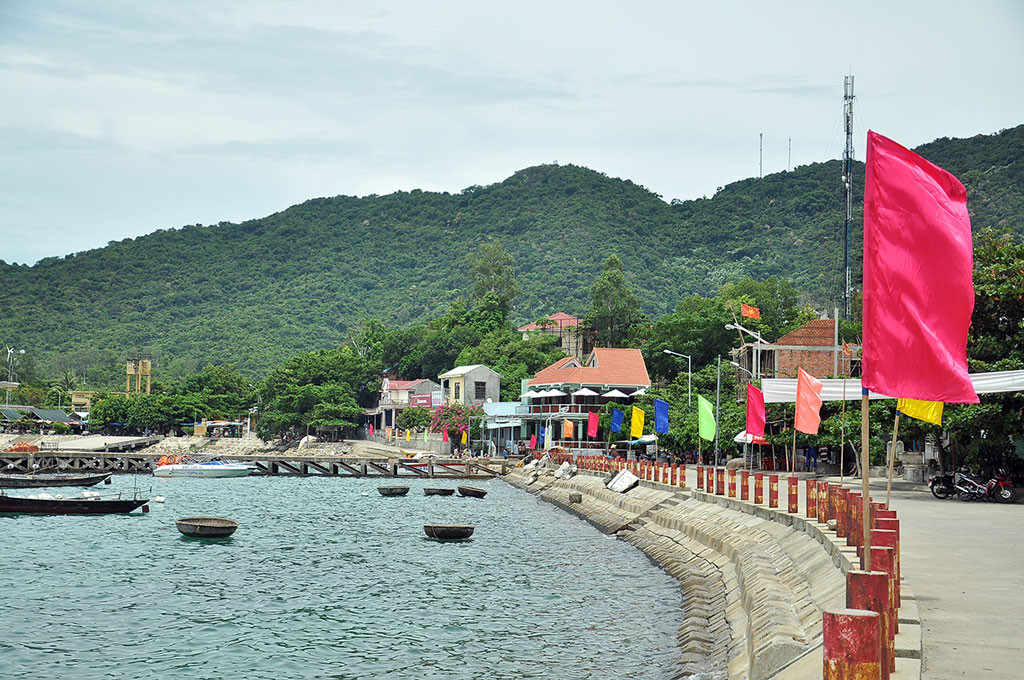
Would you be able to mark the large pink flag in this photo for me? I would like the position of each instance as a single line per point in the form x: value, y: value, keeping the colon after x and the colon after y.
x: 808, y: 403
x: 755, y: 411
x: 591, y: 424
x: 918, y: 290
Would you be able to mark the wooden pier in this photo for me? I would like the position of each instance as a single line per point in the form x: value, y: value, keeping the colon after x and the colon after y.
x: 266, y: 464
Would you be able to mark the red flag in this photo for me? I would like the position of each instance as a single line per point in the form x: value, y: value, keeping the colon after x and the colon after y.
x: 444, y: 435
x: 918, y: 290
x: 755, y: 411
x: 533, y: 441
x: 591, y: 424
x: 846, y: 349
x: 371, y: 429
x: 748, y: 311
x: 808, y: 403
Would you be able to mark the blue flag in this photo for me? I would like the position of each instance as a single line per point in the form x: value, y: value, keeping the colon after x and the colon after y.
x: 660, y: 415
x: 616, y: 420
x: 543, y: 439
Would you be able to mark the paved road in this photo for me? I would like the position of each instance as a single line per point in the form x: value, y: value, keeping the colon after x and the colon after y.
x: 965, y: 564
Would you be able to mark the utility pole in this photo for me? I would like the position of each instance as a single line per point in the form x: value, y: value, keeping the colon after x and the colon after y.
x: 789, y: 157
x: 718, y: 405
x: 848, y: 186
x: 760, y: 157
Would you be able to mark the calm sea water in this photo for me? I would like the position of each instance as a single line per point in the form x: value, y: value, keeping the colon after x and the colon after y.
x: 322, y: 582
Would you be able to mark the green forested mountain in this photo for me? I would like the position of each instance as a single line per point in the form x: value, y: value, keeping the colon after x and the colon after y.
x: 256, y: 293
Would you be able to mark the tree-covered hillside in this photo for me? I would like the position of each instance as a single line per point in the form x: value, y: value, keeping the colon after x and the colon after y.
x: 256, y: 293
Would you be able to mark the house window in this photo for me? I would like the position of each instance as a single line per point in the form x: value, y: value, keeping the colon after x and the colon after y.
x: 457, y: 396
x: 480, y: 390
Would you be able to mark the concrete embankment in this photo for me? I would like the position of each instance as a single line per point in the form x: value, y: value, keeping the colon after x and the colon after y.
x: 754, y: 588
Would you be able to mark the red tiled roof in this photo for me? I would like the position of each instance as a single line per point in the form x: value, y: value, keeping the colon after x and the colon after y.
x: 604, y: 366
x: 561, y: 319
x: 403, y: 384
x: 814, y: 333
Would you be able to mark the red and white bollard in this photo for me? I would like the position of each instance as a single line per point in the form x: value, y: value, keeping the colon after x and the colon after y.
x: 720, y: 481
x: 870, y: 590
x: 773, y: 491
x: 842, y: 518
x: 745, y: 485
x: 794, y: 495
x: 700, y: 477
x: 758, y: 488
x: 732, y: 483
x: 811, y: 498
x: 853, y: 645
x: 823, y: 502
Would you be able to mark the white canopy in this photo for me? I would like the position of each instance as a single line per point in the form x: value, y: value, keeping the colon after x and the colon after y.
x: 639, y: 392
x: 744, y: 438
x: 555, y: 393
x: 778, y: 390
x: 616, y: 394
x: 584, y: 392
x: 531, y: 394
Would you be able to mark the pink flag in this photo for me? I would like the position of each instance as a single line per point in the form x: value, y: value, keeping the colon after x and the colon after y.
x: 444, y: 435
x: 533, y: 441
x: 371, y: 429
x: 808, y: 403
x: 918, y: 290
x: 755, y: 411
x: 591, y: 424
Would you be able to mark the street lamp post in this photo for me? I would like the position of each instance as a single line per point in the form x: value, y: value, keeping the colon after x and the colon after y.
x: 757, y: 353
x: 742, y: 369
x: 689, y: 372
x: 718, y: 405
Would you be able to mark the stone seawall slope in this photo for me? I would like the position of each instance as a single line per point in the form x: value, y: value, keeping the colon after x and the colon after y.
x: 753, y: 588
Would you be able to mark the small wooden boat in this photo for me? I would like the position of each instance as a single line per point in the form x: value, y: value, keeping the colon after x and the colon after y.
x: 472, y: 491
x: 449, y: 532
x: 206, y: 527
x: 34, y: 481
x: 393, y: 490
x: 438, y: 492
x: 69, y: 506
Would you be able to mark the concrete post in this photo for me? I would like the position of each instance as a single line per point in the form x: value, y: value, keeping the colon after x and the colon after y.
x: 822, y: 502
x: 794, y: 495
x: 811, y: 498
x: 773, y: 491
x: 881, y: 560
x: 842, y: 518
x: 852, y: 645
x: 890, y: 539
x: 745, y: 485
x: 856, y: 518
x: 709, y: 481
x: 758, y: 488
x: 732, y: 483
x: 720, y: 481
x: 700, y: 476
x: 870, y: 590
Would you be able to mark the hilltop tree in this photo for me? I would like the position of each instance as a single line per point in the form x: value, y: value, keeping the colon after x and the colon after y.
x: 614, y: 307
x: 490, y: 269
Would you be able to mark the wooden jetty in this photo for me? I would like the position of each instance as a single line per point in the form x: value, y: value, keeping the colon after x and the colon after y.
x: 283, y: 464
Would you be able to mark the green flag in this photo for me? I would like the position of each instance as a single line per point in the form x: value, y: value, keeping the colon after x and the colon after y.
x: 706, y: 418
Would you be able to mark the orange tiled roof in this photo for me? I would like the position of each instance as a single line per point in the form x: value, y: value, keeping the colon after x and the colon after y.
x: 604, y: 366
x: 561, y: 319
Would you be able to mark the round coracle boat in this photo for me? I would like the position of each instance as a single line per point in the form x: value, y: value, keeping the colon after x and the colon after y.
x: 472, y: 491
x: 206, y: 527
x: 449, y: 532
x: 392, y: 490
x: 438, y: 492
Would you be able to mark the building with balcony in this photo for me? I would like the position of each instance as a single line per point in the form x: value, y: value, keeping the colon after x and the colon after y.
x: 814, y: 347
x: 567, y: 330
x: 397, y: 395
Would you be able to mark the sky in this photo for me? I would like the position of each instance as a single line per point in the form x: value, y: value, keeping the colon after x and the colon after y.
x: 119, y: 118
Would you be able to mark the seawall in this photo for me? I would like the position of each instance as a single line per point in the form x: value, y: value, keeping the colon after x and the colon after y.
x: 755, y: 580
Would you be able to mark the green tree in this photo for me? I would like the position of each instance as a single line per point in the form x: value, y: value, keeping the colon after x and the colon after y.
x: 413, y: 418
x: 614, y: 307
x: 490, y: 270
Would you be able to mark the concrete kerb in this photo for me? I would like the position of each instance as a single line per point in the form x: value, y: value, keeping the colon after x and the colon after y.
x: 626, y: 516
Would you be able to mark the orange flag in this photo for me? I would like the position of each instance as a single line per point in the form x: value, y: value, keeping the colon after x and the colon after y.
x: 808, y: 403
x: 567, y: 429
x: 751, y: 312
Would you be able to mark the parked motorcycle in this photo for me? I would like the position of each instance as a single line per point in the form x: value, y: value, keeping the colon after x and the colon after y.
x: 970, y: 487
x: 942, y: 485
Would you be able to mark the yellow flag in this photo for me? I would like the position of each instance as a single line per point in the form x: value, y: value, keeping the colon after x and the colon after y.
x: 465, y: 436
x: 928, y: 411
x: 567, y: 429
x: 636, y: 427
x: 408, y: 437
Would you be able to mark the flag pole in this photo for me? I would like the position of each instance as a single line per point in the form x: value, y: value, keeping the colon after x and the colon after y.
x: 865, y: 488
x: 892, y: 457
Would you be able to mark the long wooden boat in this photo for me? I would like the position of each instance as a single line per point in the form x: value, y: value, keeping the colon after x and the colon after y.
x: 49, y: 479
x: 472, y: 491
x: 68, y: 506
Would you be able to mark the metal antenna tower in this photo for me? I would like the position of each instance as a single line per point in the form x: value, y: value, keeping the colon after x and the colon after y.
x: 848, y: 186
x: 760, y: 157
